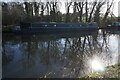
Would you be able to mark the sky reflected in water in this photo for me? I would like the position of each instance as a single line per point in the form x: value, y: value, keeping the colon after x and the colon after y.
x: 58, y: 55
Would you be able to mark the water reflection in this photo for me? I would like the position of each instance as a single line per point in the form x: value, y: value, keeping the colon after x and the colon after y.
x: 58, y: 55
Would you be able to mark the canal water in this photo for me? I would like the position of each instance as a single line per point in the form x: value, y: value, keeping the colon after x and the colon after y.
x: 58, y: 55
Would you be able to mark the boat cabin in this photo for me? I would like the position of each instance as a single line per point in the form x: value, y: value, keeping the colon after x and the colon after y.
x: 114, y: 24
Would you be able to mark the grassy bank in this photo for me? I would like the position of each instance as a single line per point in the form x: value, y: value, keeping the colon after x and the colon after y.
x: 112, y: 71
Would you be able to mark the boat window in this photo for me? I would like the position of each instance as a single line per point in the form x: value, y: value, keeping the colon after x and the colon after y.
x: 55, y: 25
x: 45, y: 25
x: 113, y: 24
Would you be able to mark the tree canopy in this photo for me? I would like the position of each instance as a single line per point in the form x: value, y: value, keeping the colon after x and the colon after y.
x: 15, y: 12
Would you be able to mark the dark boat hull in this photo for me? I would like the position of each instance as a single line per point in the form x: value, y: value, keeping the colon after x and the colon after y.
x: 26, y: 28
x: 55, y: 30
x: 113, y: 27
x: 48, y: 36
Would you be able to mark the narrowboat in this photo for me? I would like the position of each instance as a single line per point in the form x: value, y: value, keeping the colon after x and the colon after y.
x: 53, y: 27
x: 114, y: 25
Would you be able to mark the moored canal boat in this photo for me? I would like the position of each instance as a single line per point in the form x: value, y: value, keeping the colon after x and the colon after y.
x: 54, y: 27
x: 114, y: 26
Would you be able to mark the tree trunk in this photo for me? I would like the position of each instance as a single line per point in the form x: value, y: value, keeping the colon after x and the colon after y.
x: 86, y: 9
x: 89, y: 20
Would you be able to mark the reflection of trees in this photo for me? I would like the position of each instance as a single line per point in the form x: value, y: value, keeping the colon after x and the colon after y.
x: 45, y: 53
x: 6, y: 58
x: 28, y: 50
x: 104, y: 47
x: 73, y: 54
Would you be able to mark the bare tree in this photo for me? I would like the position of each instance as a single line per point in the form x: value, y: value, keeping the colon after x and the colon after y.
x: 67, y: 5
x: 97, y: 12
x: 75, y: 14
x: 94, y: 4
x: 107, y: 12
x: 53, y: 10
x: 80, y: 10
x: 86, y: 9
x: 28, y: 8
x: 36, y: 8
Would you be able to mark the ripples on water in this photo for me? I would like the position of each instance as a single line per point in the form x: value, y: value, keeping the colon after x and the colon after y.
x: 58, y: 55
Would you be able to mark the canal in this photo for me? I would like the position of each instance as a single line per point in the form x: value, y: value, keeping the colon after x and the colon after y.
x: 61, y: 55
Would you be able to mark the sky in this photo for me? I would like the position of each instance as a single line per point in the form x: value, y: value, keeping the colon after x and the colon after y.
x: 114, y: 8
x: 62, y: 7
